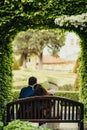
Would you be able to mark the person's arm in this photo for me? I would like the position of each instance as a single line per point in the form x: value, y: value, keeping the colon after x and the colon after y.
x: 51, y: 93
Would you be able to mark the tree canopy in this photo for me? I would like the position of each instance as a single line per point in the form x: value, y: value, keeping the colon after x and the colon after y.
x: 33, y: 42
x: 19, y: 15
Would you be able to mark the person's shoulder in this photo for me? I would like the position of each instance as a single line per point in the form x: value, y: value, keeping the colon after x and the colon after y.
x: 23, y: 88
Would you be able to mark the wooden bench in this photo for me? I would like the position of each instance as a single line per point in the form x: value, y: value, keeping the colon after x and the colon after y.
x: 44, y: 109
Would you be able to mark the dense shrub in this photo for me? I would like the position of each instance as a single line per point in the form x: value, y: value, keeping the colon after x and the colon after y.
x: 74, y: 95
x: 16, y: 94
x: 1, y: 125
x: 66, y: 87
x: 23, y: 125
x: 68, y: 94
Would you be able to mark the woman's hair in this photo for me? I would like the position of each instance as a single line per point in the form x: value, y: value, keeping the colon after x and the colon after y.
x: 40, y: 90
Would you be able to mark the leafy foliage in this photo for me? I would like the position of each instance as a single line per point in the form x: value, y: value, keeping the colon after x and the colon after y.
x: 37, y: 40
x: 1, y: 125
x: 78, y: 23
x: 22, y: 125
x: 20, y: 15
x: 33, y: 42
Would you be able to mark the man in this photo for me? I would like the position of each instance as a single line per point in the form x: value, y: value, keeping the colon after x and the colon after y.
x: 29, y: 91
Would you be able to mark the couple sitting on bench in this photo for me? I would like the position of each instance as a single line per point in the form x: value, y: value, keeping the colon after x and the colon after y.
x: 33, y: 89
x: 37, y: 106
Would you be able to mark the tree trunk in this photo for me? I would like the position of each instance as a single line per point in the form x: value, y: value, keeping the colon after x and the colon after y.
x: 24, y: 57
x: 40, y: 61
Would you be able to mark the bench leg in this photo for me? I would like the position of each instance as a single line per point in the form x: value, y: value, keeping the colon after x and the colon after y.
x: 81, y: 126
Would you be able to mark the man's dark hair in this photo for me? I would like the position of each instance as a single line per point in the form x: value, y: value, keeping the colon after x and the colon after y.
x: 32, y: 80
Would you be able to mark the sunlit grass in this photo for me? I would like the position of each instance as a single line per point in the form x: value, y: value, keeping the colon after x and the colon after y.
x: 20, y: 77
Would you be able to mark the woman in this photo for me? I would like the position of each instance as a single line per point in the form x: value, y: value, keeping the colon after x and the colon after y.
x: 40, y: 90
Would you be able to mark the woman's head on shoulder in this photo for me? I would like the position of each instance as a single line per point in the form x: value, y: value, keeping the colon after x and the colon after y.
x: 40, y: 90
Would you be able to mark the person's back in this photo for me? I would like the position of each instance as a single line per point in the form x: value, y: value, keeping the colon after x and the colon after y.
x: 29, y: 91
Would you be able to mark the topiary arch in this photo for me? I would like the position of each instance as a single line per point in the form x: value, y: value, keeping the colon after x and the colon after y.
x: 18, y: 15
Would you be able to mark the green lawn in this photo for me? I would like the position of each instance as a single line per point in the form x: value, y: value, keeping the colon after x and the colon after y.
x: 20, y: 77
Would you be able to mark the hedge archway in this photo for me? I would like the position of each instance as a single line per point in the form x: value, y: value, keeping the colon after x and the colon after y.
x: 18, y: 15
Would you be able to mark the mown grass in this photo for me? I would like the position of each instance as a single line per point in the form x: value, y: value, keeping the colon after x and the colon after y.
x: 20, y: 77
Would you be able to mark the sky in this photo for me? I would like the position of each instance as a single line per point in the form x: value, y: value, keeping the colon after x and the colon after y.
x: 71, y: 48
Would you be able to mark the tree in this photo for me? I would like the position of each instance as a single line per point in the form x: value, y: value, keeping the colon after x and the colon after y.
x: 34, y: 42
x: 21, y: 46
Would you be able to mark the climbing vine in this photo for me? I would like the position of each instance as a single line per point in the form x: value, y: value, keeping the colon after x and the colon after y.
x: 78, y: 23
x: 19, y: 15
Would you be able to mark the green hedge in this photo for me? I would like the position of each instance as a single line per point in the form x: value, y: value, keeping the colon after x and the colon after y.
x: 16, y: 94
x: 68, y: 94
x: 74, y: 95
x: 36, y: 14
x: 1, y: 125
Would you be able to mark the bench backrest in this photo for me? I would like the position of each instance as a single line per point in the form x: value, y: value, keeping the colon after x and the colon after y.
x: 45, y: 109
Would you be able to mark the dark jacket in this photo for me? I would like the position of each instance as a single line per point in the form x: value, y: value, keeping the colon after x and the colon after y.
x: 27, y: 92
